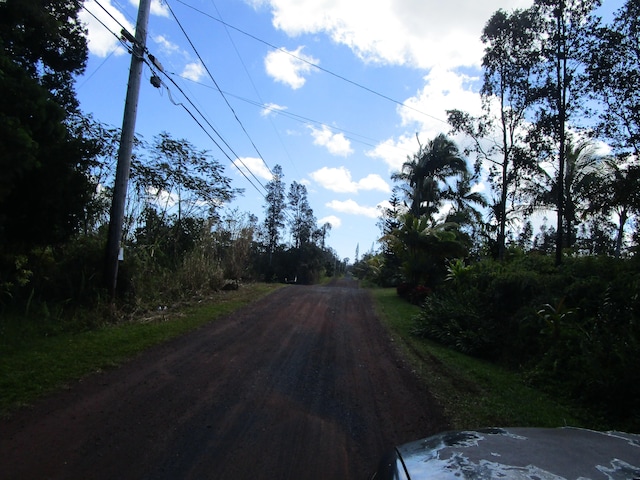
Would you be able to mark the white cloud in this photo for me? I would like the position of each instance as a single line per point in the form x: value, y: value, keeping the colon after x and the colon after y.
x: 285, y: 66
x: 101, y: 41
x: 271, y: 108
x: 373, y: 181
x: 167, y: 46
x: 193, y: 71
x: 339, y: 180
x: 157, y: 7
x: 253, y: 165
x: 394, y: 152
x: 336, y: 143
x: 163, y: 198
x: 443, y: 90
x: 419, y: 33
x: 427, y: 113
x: 335, y: 222
x: 352, y: 207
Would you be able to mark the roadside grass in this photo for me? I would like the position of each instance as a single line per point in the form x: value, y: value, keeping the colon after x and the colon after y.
x: 474, y: 393
x: 34, y: 361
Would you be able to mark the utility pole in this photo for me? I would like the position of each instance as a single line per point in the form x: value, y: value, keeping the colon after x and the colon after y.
x: 125, y: 149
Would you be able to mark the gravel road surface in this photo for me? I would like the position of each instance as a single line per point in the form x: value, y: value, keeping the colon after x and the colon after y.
x: 304, y: 383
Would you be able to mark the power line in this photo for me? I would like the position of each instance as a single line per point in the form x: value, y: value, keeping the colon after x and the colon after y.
x: 108, y: 13
x: 118, y: 37
x: 218, y: 87
x: 295, y: 116
x: 217, y: 133
x: 255, y: 89
x: 315, y: 65
x: 153, y: 66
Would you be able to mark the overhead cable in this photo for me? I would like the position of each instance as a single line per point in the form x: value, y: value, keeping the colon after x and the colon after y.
x: 315, y: 65
x: 218, y: 86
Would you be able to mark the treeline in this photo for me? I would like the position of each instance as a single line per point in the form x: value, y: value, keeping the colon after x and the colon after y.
x: 180, y: 236
x: 559, y: 136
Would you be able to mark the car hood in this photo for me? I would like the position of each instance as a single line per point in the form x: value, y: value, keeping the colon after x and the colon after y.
x: 521, y: 453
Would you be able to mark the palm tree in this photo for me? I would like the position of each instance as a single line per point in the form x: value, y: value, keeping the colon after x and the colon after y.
x: 617, y: 191
x: 464, y: 201
x: 582, y: 169
x: 427, y: 171
x: 425, y: 249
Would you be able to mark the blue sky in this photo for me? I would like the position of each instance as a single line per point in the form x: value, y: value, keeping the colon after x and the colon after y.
x: 342, y: 141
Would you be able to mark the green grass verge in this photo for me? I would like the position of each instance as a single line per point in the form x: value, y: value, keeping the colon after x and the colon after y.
x: 33, y: 362
x: 474, y: 393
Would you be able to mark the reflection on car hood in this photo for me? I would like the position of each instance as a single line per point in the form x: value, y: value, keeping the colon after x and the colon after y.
x: 521, y: 453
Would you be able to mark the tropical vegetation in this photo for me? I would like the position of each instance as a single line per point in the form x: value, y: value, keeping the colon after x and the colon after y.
x: 558, y: 137
x: 180, y: 237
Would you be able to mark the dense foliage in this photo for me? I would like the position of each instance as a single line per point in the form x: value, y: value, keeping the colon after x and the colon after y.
x: 560, y: 304
x: 180, y: 236
x: 574, y: 330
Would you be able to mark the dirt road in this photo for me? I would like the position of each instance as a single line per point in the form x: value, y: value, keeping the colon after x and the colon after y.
x: 304, y: 383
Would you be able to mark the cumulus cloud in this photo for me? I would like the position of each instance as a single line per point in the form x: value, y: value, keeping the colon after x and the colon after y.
x: 101, y: 41
x: 166, y: 45
x: 193, y: 71
x: 289, y: 66
x: 253, y: 165
x: 335, y: 222
x: 162, y: 197
x: 352, y: 207
x: 419, y: 33
x: 339, y: 180
x: 157, y: 7
x: 426, y: 112
x: 336, y: 143
x: 443, y: 90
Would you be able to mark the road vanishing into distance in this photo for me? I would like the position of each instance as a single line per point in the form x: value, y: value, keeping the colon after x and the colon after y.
x: 304, y: 383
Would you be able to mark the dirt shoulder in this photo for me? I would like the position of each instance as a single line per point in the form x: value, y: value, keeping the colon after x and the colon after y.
x: 304, y: 383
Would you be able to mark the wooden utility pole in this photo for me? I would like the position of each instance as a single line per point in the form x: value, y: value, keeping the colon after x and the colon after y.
x: 125, y: 149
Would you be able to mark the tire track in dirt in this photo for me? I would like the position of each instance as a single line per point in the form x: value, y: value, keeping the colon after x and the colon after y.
x: 304, y: 383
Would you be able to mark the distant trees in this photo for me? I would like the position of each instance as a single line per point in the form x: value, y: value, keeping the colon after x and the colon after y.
x: 274, y: 210
x: 302, y: 222
x: 306, y: 258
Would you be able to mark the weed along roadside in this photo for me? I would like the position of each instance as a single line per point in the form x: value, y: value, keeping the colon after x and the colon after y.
x: 34, y: 362
x: 475, y: 393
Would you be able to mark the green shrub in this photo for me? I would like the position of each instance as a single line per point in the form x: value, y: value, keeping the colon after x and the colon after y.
x: 573, y: 329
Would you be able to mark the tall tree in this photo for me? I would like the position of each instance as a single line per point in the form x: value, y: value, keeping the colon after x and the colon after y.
x: 46, y: 39
x: 275, y: 209
x: 425, y: 174
x: 178, y: 173
x: 44, y: 186
x: 507, y: 95
x: 617, y: 191
x: 613, y: 62
x: 582, y: 178
x: 302, y: 220
x: 565, y: 28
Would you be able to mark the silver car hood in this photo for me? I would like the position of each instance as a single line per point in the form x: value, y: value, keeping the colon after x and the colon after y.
x: 520, y: 453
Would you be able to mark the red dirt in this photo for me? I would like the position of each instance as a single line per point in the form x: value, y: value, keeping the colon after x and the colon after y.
x: 304, y: 383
